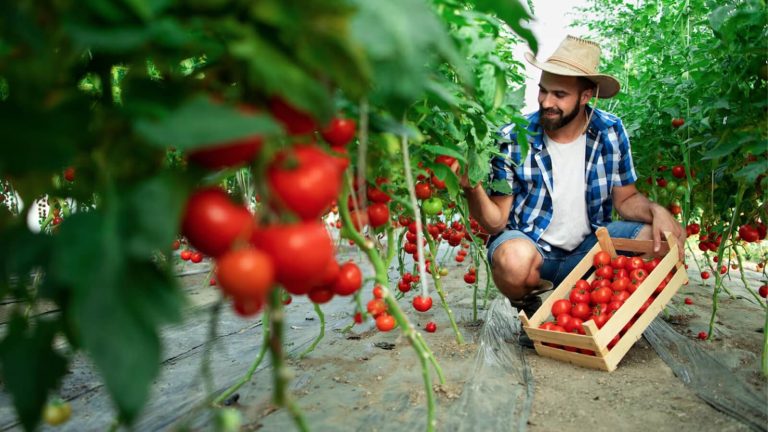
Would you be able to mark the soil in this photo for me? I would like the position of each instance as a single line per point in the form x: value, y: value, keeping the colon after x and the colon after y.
x: 362, y: 379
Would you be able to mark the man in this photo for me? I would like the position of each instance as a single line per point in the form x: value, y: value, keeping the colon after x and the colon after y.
x: 579, y: 167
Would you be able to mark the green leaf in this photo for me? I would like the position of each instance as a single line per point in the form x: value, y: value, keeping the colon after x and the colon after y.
x: 514, y: 14
x: 30, y: 366
x: 501, y: 186
x: 752, y: 171
x: 202, y: 123
x: 116, y: 40
x: 443, y: 150
x: 155, y: 209
x: 117, y: 305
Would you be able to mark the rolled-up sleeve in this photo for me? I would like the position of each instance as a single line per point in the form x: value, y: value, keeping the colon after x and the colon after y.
x: 625, y: 173
x: 502, y: 167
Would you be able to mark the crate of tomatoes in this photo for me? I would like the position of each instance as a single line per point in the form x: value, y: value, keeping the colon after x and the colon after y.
x: 602, y: 308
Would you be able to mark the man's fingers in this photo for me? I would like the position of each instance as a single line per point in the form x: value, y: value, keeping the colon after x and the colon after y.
x: 656, y: 239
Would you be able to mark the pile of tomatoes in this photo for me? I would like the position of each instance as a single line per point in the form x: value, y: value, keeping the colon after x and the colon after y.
x: 288, y: 244
x: 615, y: 282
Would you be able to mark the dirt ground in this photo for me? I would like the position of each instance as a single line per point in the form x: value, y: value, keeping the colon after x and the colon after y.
x: 364, y: 380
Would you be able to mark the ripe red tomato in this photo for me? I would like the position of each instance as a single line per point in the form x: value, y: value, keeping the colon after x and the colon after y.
x: 564, y: 320
x: 349, y: 280
x: 621, y: 296
x: 705, y: 275
x: 294, y: 121
x: 748, y: 233
x: 637, y: 276
x: 651, y: 264
x: 430, y: 327
x: 358, y: 318
x: 677, y: 122
x: 439, y: 184
x: 301, y: 252
x: 186, y: 254
x: 688, y: 301
x: 385, y: 322
x: 599, y: 283
x: 196, y: 257
x: 378, y: 214
x: 635, y: 263
x: 763, y: 290
x: 601, y: 259
x: 246, y: 273
x: 459, y: 258
x: 422, y: 304
x: 678, y: 171
x: 646, y: 305
x: 581, y: 310
x: 470, y: 278
x: 247, y: 307
x: 620, y: 284
x: 560, y: 307
x: 601, y: 295
x: 404, y: 286
x: 423, y: 191
x: 620, y: 262
x: 339, y: 132
x: 69, y: 174
x: 582, y: 284
x: 320, y: 294
x: 212, y: 223
x: 305, y: 180
x: 579, y: 295
x: 378, y: 291
x: 600, y: 319
x: 605, y: 272
x: 230, y: 154
x: 702, y: 335
x: 175, y: 245
x: 376, y: 307
x: 445, y: 160
x: 378, y: 196
x: 547, y: 325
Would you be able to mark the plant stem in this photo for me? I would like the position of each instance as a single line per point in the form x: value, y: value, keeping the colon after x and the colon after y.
x: 205, y: 367
x: 438, y: 287
x: 320, y: 336
x: 248, y: 375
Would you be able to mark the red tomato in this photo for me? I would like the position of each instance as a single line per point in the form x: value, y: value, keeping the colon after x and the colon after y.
x: 600, y: 319
x: 245, y: 273
x: 705, y: 275
x: 350, y: 279
x: 378, y: 214
x: 581, y: 310
x: 378, y: 196
x: 619, y: 262
x: 601, y: 295
x: 560, y: 307
x: 385, y: 322
x: 620, y: 284
x: 212, y: 223
x: 580, y: 295
x: 246, y: 307
x: 702, y: 335
x: 688, y: 301
x: 678, y: 171
x: 296, y: 122
x: 677, y: 122
x: 651, y: 264
x: 445, y: 160
x: 614, y: 305
x: 547, y: 325
x: 637, y: 276
x: 301, y: 252
x: 601, y: 258
x: 564, y: 320
x: 621, y: 296
x: 635, y: 263
x: 763, y: 290
x: 459, y: 258
x: 582, y: 284
x: 439, y: 184
x: 599, y: 283
x: 175, y: 245
x: 376, y: 307
x: 621, y: 273
x: 229, y: 154
x: 646, y: 305
x: 430, y: 327
x: 605, y: 272
x: 69, y: 174
x: 186, y: 254
x: 470, y: 278
x: 422, y: 304
x: 305, y: 180
x: 358, y: 318
x: 196, y: 257
x: 423, y: 191
x: 321, y: 294
x: 339, y: 132
x: 404, y: 286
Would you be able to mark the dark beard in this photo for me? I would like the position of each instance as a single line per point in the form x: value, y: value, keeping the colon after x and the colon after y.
x: 552, y: 124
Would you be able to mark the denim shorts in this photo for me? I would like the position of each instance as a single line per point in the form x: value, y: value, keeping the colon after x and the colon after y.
x: 558, y: 263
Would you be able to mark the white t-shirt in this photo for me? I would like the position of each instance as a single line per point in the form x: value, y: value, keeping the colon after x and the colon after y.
x: 570, y: 224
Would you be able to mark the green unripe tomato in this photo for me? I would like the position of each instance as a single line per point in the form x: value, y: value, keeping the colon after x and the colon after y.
x: 432, y: 206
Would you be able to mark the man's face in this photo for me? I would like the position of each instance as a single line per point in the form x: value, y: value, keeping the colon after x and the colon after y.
x: 560, y: 100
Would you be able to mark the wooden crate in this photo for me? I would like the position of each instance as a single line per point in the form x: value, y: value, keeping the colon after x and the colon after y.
x: 595, y: 339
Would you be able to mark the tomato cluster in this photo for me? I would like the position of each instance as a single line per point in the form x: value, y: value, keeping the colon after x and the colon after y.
x: 752, y: 233
x: 614, y: 283
x: 304, y: 180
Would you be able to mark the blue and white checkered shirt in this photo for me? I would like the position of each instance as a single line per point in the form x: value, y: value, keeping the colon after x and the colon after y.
x: 608, y: 164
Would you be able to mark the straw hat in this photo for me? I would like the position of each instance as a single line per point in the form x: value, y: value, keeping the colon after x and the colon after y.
x: 578, y: 57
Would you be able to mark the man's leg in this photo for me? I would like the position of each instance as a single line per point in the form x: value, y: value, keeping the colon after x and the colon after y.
x: 515, y: 267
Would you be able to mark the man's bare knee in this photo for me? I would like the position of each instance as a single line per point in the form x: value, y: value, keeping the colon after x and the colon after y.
x: 516, y: 266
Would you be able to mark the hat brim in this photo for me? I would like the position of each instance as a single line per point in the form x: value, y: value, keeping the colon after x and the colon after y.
x: 609, y: 86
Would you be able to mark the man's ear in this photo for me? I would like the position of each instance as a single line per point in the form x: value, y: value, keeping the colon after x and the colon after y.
x: 586, y: 96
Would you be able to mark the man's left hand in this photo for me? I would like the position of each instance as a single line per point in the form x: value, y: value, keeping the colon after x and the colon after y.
x: 664, y: 221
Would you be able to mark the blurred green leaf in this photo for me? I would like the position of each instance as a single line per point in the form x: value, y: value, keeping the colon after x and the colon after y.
x: 30, y: 366
x: 514, y: 14
x: 200, y: 123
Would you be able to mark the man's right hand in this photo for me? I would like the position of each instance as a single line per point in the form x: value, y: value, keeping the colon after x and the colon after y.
x: 463, y: 177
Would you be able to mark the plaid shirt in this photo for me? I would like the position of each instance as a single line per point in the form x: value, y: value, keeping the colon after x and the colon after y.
x: 608, y: 164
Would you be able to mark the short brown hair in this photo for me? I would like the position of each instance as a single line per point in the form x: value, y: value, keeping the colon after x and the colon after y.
x: 586, y: 84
